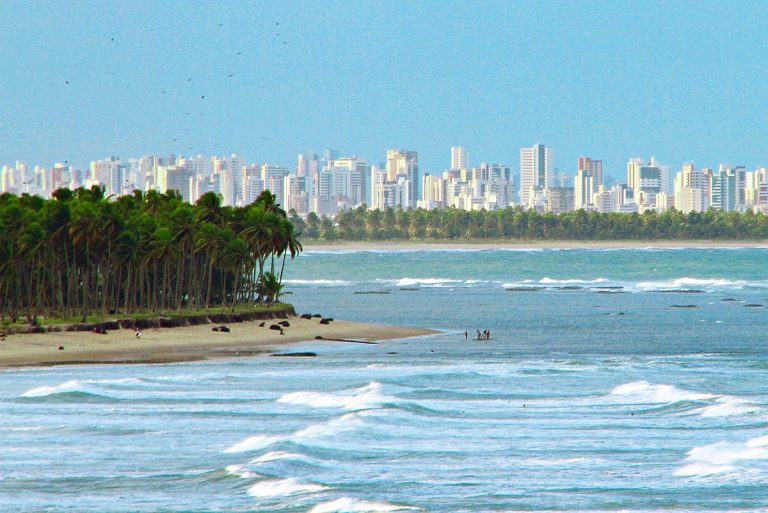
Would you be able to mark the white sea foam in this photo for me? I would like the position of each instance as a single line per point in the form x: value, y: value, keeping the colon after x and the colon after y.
x: 707, y: 284
x: 728, y: 405
x: 276, y: 455
x: 642, y: 392
x: 69, y: 386
x: 350, y: 505
x: 253, y: 443
x: 412, y: 282
x: 368, y: 396
x: 75, y: 385
x: 281, y: 487
x: 724, y: 457
x: 346, y: 422
x: 239, y: 471
x: 551, y: 281
x: 327, y: 283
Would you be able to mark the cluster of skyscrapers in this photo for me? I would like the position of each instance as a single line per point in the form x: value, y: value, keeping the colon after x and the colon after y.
x: 329, y: 183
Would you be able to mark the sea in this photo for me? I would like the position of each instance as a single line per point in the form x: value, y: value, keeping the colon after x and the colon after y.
x: 632, y: 380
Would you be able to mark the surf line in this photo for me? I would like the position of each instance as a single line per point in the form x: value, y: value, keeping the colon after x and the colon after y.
x: 320, y: 337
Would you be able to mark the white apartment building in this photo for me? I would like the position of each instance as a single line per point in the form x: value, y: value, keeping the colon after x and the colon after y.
x: 692, y: 189
x: 535, y: 171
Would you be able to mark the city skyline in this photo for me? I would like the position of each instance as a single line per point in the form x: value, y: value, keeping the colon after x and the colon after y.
x: 270, y: 79
x: 329, y: 182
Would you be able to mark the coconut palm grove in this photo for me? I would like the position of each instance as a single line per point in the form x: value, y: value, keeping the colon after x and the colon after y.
x: 81, y: 253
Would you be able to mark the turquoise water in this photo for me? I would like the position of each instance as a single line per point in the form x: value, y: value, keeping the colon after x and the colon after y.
x: 597, y: 392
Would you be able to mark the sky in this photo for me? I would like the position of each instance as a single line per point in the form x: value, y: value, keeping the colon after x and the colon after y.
x: 682, y: 81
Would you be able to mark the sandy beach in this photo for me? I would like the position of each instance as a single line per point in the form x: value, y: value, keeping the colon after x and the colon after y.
x: 163, y: 345
x: 524, y: 244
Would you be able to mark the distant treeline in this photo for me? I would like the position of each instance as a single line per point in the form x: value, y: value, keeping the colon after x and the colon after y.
x: 80, y: 253
x: 516, y: 223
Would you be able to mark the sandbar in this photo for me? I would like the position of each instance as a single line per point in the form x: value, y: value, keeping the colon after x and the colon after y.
x: 526, y: 244
x: 165, y: 345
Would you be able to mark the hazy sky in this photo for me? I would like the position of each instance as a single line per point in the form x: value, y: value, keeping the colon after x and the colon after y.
x: 677, y: 80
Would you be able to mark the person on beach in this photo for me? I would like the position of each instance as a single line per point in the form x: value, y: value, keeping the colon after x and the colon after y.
x: 138, y: 333
x: 479, y: 335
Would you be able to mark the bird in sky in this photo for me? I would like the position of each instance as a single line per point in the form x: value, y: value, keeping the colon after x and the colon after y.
x: 66, y: 82
x: 202, y: 97
x: 231, y: 75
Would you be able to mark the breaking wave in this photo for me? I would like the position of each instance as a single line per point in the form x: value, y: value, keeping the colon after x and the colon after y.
x: 366, y: 397
x: 350, y: 505
x: 724, y: 458
x: 346, y: 422
x: 282, y: 487
x: 681, y: 401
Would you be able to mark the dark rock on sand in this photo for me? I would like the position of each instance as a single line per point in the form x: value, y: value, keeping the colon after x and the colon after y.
x: 753, y: 305
x: 306, y: 316
x: 684, y: 306
x: 275, y: 327
x: 324, y: 321
x: 284, y: 324
x: 307, y: 353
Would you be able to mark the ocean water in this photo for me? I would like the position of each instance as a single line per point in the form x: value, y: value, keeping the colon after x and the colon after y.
x: 615, y: 380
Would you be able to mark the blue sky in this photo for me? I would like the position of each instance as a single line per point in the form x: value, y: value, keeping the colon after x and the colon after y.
x: 677, y: 80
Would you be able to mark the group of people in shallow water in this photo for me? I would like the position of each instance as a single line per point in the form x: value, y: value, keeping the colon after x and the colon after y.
x: 480, y: 335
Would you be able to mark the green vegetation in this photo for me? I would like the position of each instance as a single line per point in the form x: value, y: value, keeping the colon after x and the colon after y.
x: 80, y: 254
x: 97, y: 318
x: 519, y: 224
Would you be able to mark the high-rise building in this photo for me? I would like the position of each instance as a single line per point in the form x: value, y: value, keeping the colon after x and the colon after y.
x: 594, y: 168
x: 692, y: 189
x: 559, y: 199
x: 181, y: 179
x: 535, y: 170
x: 646, y: 180
x: 405, y: 164
x: 584, y: 188
x: 459, y: 158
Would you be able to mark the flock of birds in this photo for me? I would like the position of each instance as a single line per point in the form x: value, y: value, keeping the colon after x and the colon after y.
x: 189, y: 80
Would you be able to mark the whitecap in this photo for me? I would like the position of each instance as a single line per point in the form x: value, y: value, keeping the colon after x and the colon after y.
x: 239, y: 471
x: 368, y: 396
x: 253, y: 443
x: 281, y: 487
x: 346, y: 422
x: 411, y: 282
x: 72, y: 385
x: 728, y: 405
x: 276, y: 455
x: 643, y: 392
x: 551, y: 281
x: 724, y: 457
x: 350, y: 505
x: 326, y: 283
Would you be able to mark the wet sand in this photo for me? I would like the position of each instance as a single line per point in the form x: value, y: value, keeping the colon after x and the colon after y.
x: 164, y: 345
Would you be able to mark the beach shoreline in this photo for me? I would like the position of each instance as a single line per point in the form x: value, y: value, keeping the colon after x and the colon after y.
x: 180, y: 344
x: 526, y: 245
